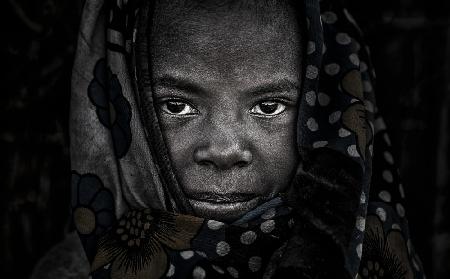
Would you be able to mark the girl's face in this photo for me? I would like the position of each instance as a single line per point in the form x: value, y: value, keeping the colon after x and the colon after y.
x: 226, y: 84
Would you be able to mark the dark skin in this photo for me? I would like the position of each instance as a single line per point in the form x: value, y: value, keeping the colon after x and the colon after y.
x: 226, y: 83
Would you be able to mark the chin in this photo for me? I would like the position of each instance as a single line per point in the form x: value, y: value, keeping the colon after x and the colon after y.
x: 225, y: 211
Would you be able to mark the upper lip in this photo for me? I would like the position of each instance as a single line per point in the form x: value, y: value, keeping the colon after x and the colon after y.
x: 223, y: 198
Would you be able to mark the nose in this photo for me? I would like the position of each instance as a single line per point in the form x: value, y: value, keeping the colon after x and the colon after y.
x: 224, y: 149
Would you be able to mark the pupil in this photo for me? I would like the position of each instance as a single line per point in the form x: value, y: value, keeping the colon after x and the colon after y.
x: 268, y: 107
x: 175, y: 107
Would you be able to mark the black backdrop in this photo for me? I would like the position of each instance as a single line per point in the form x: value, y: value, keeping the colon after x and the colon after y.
x: 411, y: 53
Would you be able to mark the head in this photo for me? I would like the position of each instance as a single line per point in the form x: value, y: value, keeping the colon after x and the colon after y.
x: 226, y: 78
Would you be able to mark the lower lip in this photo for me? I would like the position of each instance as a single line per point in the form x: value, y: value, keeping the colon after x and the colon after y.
x: 226, y: 212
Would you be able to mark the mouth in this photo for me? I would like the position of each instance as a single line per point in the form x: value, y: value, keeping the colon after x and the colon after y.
x: 223, y: 199
x: 224, y: 208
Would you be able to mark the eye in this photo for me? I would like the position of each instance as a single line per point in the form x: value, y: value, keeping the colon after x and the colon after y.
x: 178, y: 107
x: 268, y: 108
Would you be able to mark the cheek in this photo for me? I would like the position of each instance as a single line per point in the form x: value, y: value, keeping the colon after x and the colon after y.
x: 180, y: 141
x: 278, y: 153
x: 274, y: 147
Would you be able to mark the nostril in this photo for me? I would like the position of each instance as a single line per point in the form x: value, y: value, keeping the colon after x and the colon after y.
x: 241, y: 164
x: 205, y: 163
x: 222, y: 158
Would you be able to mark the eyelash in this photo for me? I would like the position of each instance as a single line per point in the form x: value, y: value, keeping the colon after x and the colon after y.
x: 278, y: 101
x: 163, y: 106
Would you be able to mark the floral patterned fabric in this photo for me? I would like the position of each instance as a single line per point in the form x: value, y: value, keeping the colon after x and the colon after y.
x: 342, y: 217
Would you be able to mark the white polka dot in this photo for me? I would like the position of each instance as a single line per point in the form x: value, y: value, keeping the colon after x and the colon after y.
x: 372, y: 127
x: 362, y: 199
x: 367, y: 86
x: 369, y: 106
x: 357, y: 46
x: 416, y: 264
x: 187, y: 254
x: 343, y: 39
x: 312, y: 124
x: 267, y: 226
x: 198, y: 273
x: 248, y: 237
x: 385, y: 196
x: 310, y: 98
x: 233, y: 272
x: 254, y: 264
x: 201, y: 254
x: 400, y: 210
x: 218, y: 269
x: 354, y: 59
x: 363, y: 66
x: 215, y: 225
x: 409, y: 246
x: 171, y: 270
x: 388, y: 157
x: 350, y: 18
x: 311, y: 48
x: 387, y: 139
x: 334, y: 117
x: 329, y: 17
x: 387, y: 176
x: 396, y: 227
x: 381, y: 213
x: 312, y: 72
x: 222, y: 248
x: 344, y: 133
x: 323, y: 99
x: 352, y: 151
x: 360, y: 223
x: 269, y: 214
x: 359, y: 250
x: 401, y: 190
x: 332, y: 69
x: 319, y: 144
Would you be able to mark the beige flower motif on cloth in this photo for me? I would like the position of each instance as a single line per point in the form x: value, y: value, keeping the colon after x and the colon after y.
x: 385, y: 254
x: 354, y: 117
x: 136, y: 247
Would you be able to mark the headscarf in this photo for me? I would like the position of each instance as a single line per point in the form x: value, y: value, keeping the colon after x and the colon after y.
x: 342, y: 217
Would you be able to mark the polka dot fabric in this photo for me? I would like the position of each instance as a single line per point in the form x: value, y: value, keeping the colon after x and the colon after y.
x: 337, y: 109
x: 136, y: 232
x: 338, y: 112
x: 233, y: 251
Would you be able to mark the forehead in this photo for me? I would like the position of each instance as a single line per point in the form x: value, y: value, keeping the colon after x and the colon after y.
x: 235, y: 41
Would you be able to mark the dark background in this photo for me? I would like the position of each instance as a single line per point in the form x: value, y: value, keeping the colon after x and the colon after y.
x: 411, y: 53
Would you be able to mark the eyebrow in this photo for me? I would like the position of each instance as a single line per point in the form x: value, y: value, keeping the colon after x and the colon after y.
x: 277, y: 86
x: 179, y: 84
